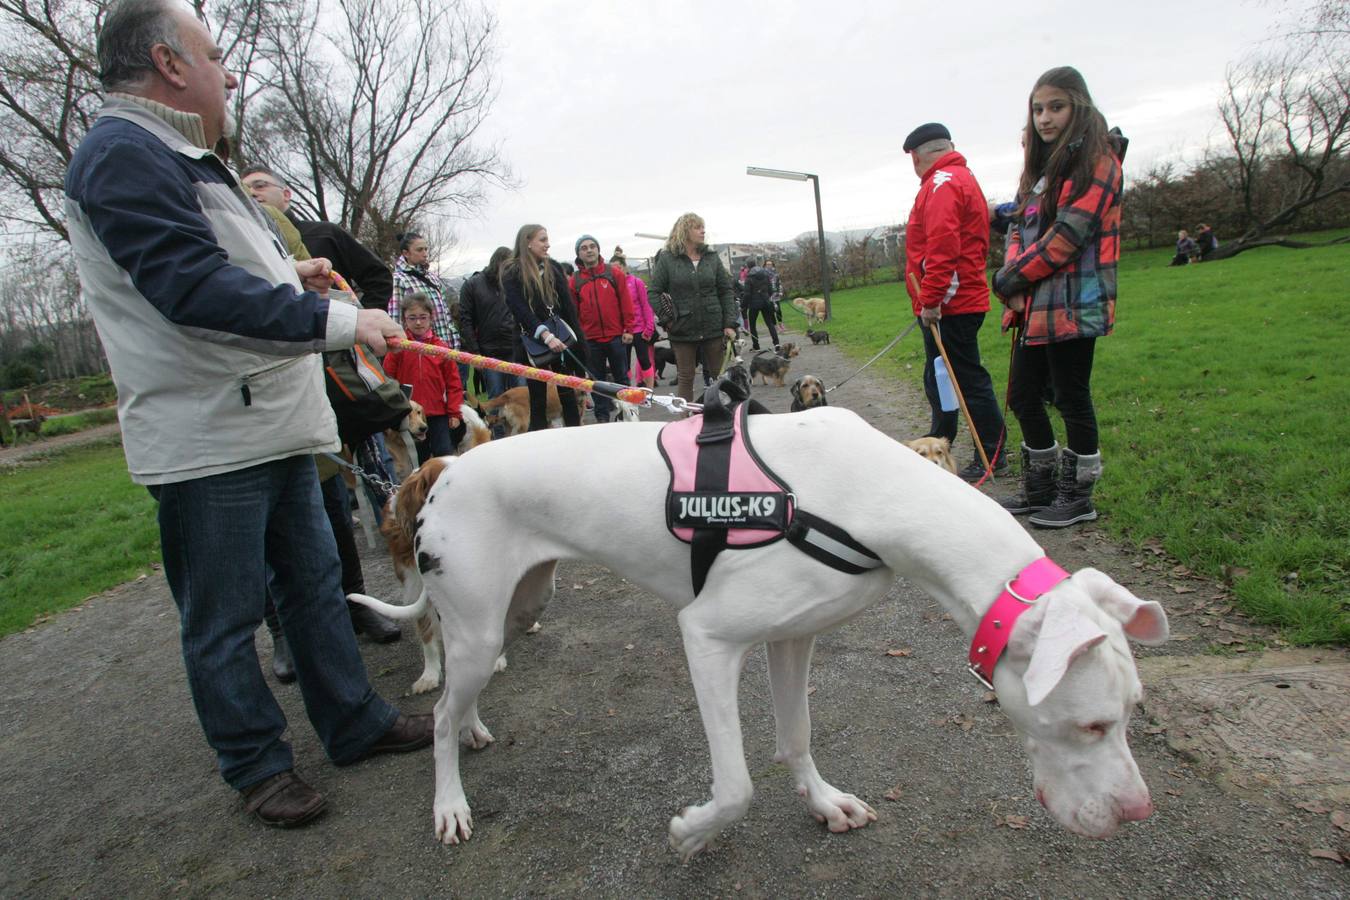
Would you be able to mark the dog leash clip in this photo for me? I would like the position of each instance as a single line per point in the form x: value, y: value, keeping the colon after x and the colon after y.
x: 673, y: 404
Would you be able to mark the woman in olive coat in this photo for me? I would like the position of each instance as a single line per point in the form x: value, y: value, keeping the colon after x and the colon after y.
x: 696, y: 303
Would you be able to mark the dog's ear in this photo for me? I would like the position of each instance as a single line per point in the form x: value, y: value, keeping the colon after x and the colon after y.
x: 796, y: 389
x: 946, y: 444
x: 1065, y: 634
x: 1142, y: 620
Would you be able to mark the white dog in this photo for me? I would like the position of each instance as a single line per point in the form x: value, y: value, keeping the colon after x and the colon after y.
x: 1067, y: 679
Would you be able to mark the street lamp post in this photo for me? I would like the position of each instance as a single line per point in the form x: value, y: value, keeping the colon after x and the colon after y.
x: 820, y: 223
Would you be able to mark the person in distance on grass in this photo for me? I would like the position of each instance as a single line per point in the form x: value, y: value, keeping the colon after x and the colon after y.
x: 1059, y: 281
x: 946, y: 244
x: 212, y: 330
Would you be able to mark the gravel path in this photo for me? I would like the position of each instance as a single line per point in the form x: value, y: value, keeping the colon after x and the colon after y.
x: 110, y: 790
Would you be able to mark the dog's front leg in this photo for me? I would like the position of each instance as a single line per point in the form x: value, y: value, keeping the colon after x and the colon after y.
x: 789, y: 666
x: 715, y: 667
x: 467, y: 673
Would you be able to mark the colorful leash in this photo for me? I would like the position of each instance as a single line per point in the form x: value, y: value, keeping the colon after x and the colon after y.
x: 638, y: 396
x: 884, y: 350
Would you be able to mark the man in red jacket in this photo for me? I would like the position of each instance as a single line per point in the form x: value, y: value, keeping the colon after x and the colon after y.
x: 946, y: 245
x: 600, y: 291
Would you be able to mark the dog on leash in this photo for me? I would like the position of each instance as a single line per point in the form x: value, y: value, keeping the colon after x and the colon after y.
x: 813, y: 307
x: 937, y: 450
x: 818, y: 337
x: 1067, y: 679
x: 414, y: 425
x: 807, y: 393
x: 767, y: 364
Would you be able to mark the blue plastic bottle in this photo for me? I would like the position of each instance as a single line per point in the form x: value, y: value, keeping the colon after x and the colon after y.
x: 946, y: 393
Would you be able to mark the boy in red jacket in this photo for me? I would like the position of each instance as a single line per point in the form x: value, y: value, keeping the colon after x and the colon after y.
x: 946, y: 245
x: 434, y: 379
x: 600, y: 291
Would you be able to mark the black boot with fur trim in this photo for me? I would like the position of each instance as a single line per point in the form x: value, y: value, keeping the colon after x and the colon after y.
x: 1073, y: 497
x: 1039, y: 468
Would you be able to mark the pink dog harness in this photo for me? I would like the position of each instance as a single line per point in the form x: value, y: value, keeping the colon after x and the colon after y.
x: 722, y: 495
x: 995, y: 629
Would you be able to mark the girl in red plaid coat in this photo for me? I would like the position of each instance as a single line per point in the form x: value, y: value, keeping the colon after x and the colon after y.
x: 1059, y: 286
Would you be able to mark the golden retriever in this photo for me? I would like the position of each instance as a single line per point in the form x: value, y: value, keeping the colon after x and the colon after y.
x: 936, y: 450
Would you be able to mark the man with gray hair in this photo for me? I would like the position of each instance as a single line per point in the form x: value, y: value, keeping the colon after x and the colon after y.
x: 946, y: 246
x: 212, y: 331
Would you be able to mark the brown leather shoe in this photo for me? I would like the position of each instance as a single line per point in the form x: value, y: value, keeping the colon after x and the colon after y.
x: 283, y: 801
x: 406, y: 734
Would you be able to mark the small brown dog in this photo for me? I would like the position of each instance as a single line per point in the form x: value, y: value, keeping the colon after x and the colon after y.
x: 414, y: 424
x: 768, y: 365
x: 818, y: 337
x: 807, y: 393
x: 788, y: 350
x: 936, y: 450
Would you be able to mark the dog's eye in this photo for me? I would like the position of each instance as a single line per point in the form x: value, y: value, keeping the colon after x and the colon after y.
x: 1096, y: 730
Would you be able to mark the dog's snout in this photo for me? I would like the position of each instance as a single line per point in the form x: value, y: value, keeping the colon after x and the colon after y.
x: 1137, y: 810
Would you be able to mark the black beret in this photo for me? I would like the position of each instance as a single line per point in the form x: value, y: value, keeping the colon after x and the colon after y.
x: 933, y: 131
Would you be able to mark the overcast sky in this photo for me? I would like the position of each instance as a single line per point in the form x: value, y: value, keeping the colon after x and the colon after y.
x: 616, y: 117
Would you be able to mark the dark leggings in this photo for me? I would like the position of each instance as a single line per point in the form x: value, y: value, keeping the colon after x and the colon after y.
x: 1067, y: 367
x: 755, y: 313
x: 441, y: 438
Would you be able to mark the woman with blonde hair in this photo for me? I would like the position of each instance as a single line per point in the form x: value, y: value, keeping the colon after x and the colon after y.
x: 536, y: 288
x: 696, y: 305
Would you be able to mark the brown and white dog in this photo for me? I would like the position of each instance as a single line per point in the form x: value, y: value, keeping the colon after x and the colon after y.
x: 807, y: 393
x: 1067, y: 679
x: 512, y: 408
x: 769, y: 365
x: 414, y: 425
x: 937, y: 450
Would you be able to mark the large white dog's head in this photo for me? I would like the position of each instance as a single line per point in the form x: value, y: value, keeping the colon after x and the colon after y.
x: 1068, y: 682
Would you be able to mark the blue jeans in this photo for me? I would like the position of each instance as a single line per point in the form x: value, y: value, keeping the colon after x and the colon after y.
x: 611, y: 355
x: 498, y: 383
x: 219, y: 535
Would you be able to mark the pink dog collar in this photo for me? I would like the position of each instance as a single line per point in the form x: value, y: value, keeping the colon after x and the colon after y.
x: 995, y: 629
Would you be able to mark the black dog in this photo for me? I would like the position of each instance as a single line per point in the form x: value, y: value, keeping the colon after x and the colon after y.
x: 664, y: 356
x: 818, y: 337
x: 808, y: 393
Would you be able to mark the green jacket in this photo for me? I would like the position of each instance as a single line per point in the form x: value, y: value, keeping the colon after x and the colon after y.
x: 704, y: 304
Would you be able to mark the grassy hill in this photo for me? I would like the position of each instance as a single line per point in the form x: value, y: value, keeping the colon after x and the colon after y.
x: 1220, y: 399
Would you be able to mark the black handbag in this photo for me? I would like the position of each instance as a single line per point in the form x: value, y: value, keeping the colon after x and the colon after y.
x: 541, y: 354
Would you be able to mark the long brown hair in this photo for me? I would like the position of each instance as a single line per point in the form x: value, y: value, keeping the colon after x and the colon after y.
x: 1073, y: 155
x: 535, y: 286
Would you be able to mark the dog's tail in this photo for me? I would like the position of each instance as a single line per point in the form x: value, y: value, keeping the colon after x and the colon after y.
x: 393, y: 610
x: 496, y: 402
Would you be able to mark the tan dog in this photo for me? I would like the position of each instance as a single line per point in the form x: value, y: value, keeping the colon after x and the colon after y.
x: 814, y: 307
x: 414, y: 425
x: 513, y: 408
x: 936, y: 450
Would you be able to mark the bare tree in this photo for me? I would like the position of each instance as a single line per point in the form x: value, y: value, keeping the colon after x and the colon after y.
x: 48, y: 100
x: 375, y: 119
x: 1286, y: 119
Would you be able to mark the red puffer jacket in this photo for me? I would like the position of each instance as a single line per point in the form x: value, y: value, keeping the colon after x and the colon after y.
x: 947, y: 240
x: 603, y: 304
x: 435, y: 381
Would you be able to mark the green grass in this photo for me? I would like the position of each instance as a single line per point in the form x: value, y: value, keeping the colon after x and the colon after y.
x: 71, y: 526
x: 1220, y: 400
x: 78, y: 422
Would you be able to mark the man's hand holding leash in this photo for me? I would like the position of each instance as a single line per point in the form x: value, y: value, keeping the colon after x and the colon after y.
x: 374, y: 327
x: 315, y: 275
x: 930, y: 315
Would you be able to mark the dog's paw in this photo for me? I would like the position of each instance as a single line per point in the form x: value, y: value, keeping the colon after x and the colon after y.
x: 693, y: 830
x: 454, y: 822
x: 475, y: 736
x: 836, y: 810
x: 500, y: 664
x: 428, y: 682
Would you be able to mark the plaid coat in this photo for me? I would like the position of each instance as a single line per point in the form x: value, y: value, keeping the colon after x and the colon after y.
x: 410, y: 279
x: 1067, y: 268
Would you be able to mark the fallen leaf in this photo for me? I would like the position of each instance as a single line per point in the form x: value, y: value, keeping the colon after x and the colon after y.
x: 1015, y: 822
x: 1174, y: 792
x: 1181, y: 572
x: 576, y: 587
x: 1183, y: 589
x: 1228, y: 641
x: 905, y: 652
x: 990, y: 697
x: 811, y: 690
x: 1176, y: 773
x: 628, y: 646
x: 1340, y: 820
x: 894, y: 793
x: 1324, y: 853
x: 1156, y: 729
x: 611, y: 712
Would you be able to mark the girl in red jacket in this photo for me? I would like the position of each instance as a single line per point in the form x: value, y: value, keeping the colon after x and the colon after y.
x: 1059, y: 284
x: 434, y: 379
